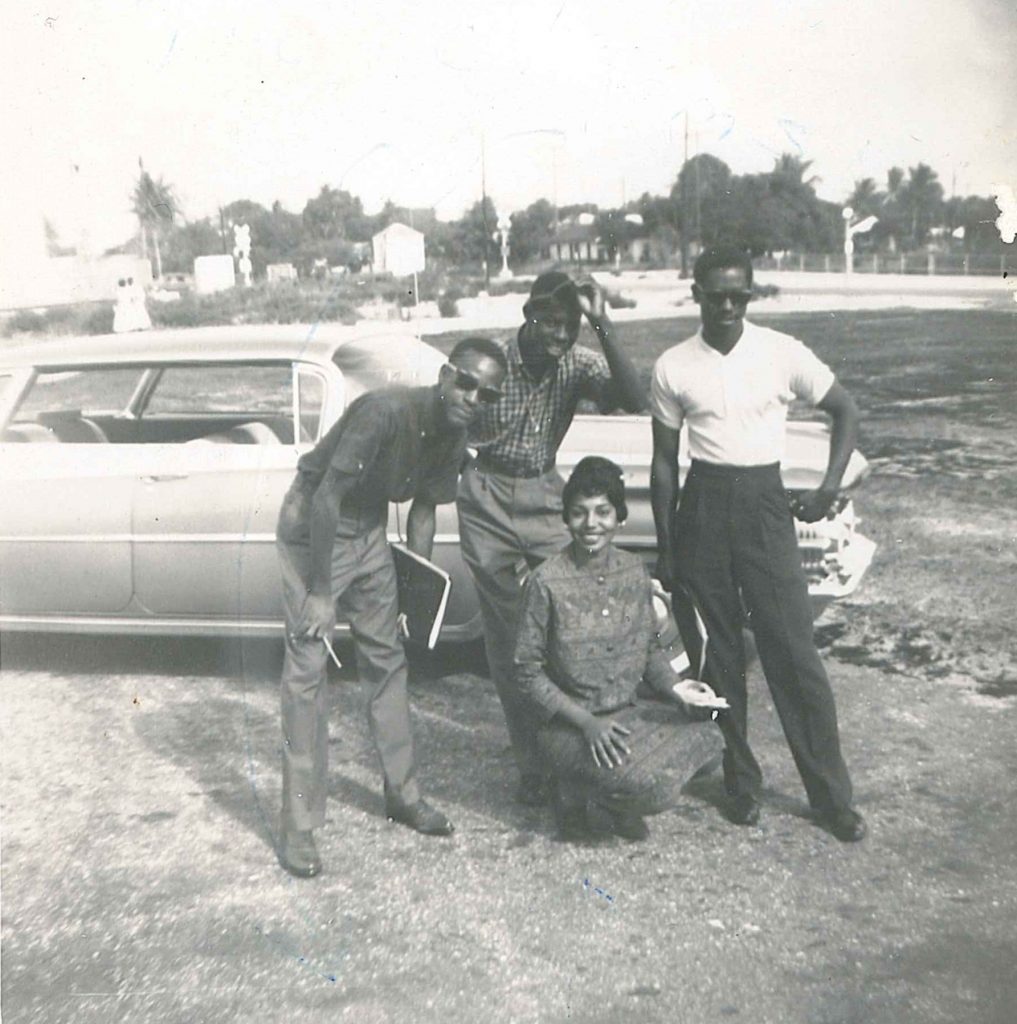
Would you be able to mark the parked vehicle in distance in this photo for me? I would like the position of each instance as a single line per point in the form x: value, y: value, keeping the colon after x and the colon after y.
x: 143, y: 476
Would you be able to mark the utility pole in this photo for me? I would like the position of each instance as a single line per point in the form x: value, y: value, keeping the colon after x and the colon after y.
x: 684, y: 197
x: 483, y: 210
x: 554, y: 192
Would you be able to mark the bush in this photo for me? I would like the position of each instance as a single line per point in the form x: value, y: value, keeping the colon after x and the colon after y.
x: 764, y: 291
x: 98, y: 320
x: 515, y: 286
x: 63, y: 316
x: 25, y: 321
x: 195, y: 310
x: 448, y: 302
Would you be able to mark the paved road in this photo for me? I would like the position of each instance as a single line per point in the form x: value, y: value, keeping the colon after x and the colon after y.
x: 139, y: 884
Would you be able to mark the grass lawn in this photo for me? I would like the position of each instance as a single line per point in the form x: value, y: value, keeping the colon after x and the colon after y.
x: 937, y: 392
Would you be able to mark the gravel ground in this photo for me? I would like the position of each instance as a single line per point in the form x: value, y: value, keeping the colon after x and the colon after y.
x: 140, y: 787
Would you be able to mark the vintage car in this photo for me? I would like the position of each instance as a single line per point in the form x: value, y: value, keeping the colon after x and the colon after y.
x: 142, y: 475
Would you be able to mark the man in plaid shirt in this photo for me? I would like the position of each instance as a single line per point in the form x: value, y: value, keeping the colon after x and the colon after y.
x: 509, y: 500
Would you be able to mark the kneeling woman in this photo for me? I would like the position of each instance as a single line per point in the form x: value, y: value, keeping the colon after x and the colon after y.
x: 587, y: 639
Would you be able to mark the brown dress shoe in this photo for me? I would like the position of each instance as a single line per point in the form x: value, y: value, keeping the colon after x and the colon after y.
x: 421, y: 817
x: 298, y: 854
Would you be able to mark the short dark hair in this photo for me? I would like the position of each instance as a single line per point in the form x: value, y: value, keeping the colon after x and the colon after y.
x: 593, y: 476
x: 483, y: 347
x: 554, y: 287
x: 721, y: 257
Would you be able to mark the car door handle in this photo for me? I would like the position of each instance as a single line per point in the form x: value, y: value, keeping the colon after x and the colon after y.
x: 163, y: 477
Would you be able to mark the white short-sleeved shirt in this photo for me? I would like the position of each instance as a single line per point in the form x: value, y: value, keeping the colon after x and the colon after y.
x: 735, y: 405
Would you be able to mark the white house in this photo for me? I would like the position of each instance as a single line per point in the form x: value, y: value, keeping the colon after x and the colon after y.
x: 398, y: 250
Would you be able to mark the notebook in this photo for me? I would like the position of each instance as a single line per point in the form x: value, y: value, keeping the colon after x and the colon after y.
x: 423, y: 595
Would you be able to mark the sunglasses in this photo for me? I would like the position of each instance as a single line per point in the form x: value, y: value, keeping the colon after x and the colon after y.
x: 738, y: 297
x: 467, y: 382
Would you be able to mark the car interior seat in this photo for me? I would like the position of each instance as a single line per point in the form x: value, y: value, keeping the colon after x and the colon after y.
x: 71, y: 427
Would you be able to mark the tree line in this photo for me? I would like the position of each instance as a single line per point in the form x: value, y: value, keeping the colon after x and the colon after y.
x: 772, y: 211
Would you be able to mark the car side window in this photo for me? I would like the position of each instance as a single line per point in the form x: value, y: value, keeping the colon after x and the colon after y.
x: 70, y: 405
x: 255, y: 389
x: 90, y: 391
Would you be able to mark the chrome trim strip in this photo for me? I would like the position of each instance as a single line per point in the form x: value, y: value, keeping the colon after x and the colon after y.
x: 167, y: 626
x: 68, y: 538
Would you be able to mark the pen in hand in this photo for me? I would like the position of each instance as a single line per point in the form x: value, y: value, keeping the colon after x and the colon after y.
x: 328, y: 647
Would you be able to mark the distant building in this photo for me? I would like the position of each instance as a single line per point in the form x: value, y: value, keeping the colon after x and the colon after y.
x: 398, y: 250
x: 214, y: 273
x: 577, y: 241
x: 280, y: 272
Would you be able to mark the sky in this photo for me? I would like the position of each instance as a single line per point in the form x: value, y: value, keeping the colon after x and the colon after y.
x: 572, y: 100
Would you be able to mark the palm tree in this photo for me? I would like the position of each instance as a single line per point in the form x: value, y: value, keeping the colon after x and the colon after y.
x: 155, y: 205
x: 922, y: 195
x: 892, y: 214
x: 865, y: 198
x: 791, y: 169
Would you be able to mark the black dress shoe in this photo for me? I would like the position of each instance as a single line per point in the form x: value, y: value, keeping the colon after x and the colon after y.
x: 743, y: 810
x: 572, y: 825
x: 571, y: 820
x: 533, y: 791
x: 848, y: 826
x: 421, y: 817
x: 629, y: 826
x: 298, y: 854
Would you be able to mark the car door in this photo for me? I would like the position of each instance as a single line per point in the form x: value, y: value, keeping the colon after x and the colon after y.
x: 65, y: 506
x: 205, y: 512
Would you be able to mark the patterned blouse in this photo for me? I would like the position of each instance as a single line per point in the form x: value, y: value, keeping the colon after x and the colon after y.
x: 588, y: 633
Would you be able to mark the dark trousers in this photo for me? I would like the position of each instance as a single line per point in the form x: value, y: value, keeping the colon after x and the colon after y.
x: 736, y: 552
x: 667, y: 749
x: 364, y: 586
x: 507, y: 525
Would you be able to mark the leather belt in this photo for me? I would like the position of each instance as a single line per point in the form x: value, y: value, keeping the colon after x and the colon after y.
x: 489, y: 464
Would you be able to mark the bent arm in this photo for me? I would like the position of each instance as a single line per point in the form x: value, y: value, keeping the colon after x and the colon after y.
x: 420, y: 525
x: 631, y: 395
x: 664, y: 493
x: 841, y: 408
x: 325, y: 509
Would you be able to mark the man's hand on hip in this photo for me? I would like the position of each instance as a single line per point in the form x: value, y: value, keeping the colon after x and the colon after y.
x: 814, y: 505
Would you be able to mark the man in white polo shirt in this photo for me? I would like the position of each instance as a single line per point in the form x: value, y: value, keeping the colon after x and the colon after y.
x: 731, y: 544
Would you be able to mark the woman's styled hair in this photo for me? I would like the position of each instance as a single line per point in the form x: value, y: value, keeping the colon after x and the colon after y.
x: 593, y: 476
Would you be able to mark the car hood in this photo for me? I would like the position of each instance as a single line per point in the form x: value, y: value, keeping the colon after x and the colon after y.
x: 628, y: 440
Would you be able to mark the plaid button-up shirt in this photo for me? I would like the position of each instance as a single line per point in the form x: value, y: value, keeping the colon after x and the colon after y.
x: 523, y: 431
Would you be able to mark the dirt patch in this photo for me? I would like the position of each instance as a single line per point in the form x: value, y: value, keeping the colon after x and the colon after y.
x: 861, y: 636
